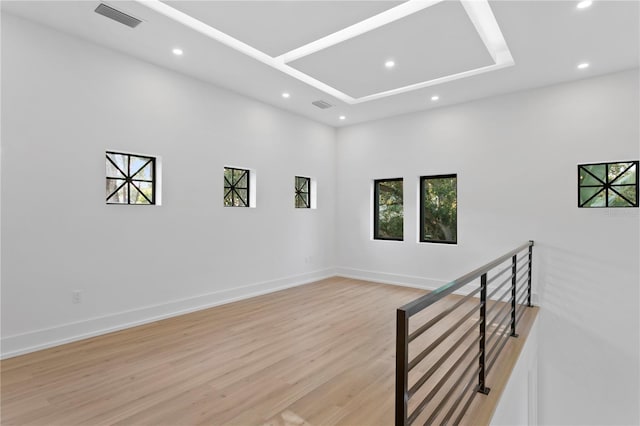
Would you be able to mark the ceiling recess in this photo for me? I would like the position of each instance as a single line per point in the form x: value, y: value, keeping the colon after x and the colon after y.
x: 117, y: 16
x: 478, y: 12
x: 322, y: 104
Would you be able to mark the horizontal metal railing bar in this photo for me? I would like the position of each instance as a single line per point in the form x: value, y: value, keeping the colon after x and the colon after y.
x: 439, y: 340
x: 512, y: 261
x: 521, y: 291
x: 420, y: 407
x: 441, y: 315
x: 521, y: 314
x: 519, y: 280
x: 464, y: 408
x: 500, y: 324
x: 490, y: 363
x: 526, y: 265
x: 521, y: 300
x: 497, y: 346
x: 448, y: 395
x: 503, y: 343
x: 490, y: 280
x: 419, y: 304
x: 489, y: 297
x: 524, y: 275
x: 438, y: 363
x: 525, y: 258
x: 457, y: 401
x: 504, y: 318
x: 498, y: 301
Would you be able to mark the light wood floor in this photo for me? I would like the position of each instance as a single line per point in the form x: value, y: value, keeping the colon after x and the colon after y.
x: 319, y: 354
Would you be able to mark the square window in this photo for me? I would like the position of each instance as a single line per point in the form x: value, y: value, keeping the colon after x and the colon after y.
x: 439, y: 209
x: 302, y: 188
x: 608, y: 184
x: 236, y: 187
x: 131, y: 179
x: 388, y: 214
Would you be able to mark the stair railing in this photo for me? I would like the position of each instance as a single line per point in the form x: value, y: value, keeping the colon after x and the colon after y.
x: 461, y: 379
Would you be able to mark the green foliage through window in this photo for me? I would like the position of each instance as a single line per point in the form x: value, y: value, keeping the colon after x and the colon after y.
x: 439, y: 209
x: 608, y: 184
x: 388, y: 219
x: 302, y: 192
x: 236, y: 187
x: 130, y: 179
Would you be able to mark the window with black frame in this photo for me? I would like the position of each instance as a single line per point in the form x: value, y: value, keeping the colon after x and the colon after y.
x: 302, y: 188
x: 608, y: 184
x: 439, y: 209
x: 131, y: 179
x: 388, y: 213
x: 236, y: 187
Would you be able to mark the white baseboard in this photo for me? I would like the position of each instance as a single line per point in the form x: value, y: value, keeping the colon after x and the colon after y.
x: 388, y: 278
x: 20, y: 344
x: 413, y: 281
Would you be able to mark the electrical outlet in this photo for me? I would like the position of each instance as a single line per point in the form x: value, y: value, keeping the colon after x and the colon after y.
x: 75, y: 296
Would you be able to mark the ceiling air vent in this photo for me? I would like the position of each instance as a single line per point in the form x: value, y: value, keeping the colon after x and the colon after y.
x: 322, y: 104
x: 117, y: 16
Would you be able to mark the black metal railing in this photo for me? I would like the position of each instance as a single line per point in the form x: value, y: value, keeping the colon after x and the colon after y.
x: 455, y: 361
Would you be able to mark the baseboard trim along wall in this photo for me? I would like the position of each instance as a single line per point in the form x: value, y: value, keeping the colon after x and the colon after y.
x: 390, y: 278
x: 66, y: 333
x: 24, y: 343
x: 412, y: 281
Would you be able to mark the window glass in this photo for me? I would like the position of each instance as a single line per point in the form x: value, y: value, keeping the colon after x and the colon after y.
x: 130, y: 179
x: 439, y: 209
x: 388, y: 214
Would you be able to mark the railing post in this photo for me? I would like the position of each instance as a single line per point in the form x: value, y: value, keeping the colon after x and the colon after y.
x: 530, y: 267
x: 514, y: 261
x: 402, y: 366
x: 483, y: 338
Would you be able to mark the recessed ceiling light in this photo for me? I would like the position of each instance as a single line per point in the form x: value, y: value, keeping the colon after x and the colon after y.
x: 342, y: 117
x: 584, y: 4
x: 583, y: 65
x: 435, y: 97
x: 390, y: 64
x: 478, y: 11
x: 177, y: 51
x: 286, y: 95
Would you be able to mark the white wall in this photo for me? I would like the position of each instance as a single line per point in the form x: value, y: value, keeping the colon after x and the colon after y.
x: 518, y: 404
x: 65, y: 102
x: 516, y: 158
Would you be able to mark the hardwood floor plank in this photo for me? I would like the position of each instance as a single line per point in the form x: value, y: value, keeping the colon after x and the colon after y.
x: 318, y: 354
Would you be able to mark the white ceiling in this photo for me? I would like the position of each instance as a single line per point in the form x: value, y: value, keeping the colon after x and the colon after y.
x: 291, y: 24
x: 547, y: 39
x: 429, y: 44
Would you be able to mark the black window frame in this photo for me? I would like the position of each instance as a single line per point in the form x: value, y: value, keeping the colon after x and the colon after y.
x: 129, y: 179
x: 606, y: 186
x: 421, y: 203
x: 232, y: 187
x: 376, y: 207
x: 298, y: 191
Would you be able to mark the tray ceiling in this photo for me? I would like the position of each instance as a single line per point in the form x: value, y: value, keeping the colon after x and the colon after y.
x: 443, y: 24
x: 433, y: 43
x: 291, y: 24
x: 546, y: 39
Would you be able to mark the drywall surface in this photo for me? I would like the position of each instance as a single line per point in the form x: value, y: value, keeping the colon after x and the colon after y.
x: 65, y: 102
x: 516, y: 157
x: 519, y: 401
